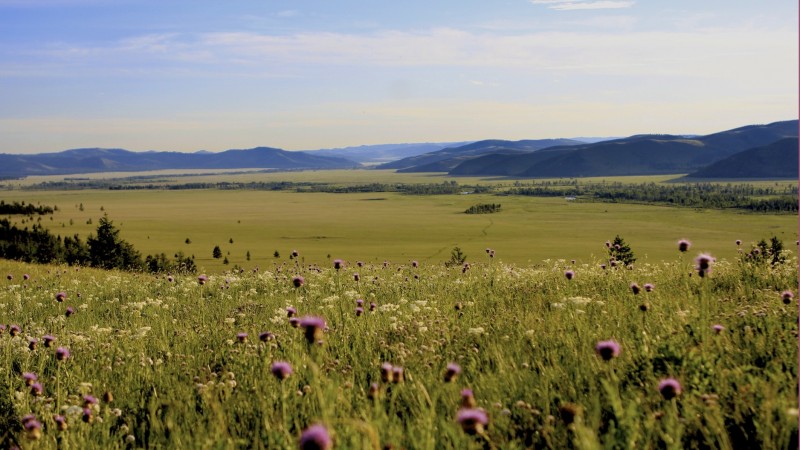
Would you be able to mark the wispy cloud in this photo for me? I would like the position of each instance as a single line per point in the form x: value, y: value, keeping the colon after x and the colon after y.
x: 572, y: 5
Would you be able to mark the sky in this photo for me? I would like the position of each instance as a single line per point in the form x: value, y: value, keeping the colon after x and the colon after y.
x: 189, y: 75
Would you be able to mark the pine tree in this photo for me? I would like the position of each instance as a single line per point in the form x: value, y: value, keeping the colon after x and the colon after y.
x: 217, y: 253
x: 621, y: 252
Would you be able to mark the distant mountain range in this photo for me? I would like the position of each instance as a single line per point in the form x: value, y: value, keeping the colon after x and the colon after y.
x: 89, y: 160
x: 635, y: 155
x: 753, y: 151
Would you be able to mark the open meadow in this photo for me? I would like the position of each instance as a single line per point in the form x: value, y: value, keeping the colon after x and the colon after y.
x: 375, y: 226
x: 366, y: 339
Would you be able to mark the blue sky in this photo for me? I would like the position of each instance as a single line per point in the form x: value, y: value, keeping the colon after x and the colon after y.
x: 189, y: 75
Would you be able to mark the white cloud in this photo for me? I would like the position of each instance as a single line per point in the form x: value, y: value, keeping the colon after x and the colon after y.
x: 571, y: 5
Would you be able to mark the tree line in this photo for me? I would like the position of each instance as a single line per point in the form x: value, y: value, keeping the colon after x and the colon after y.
x: 23, y: 208
x: 105, y: 249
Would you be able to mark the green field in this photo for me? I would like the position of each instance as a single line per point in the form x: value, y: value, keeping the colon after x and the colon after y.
x: 378, y: 226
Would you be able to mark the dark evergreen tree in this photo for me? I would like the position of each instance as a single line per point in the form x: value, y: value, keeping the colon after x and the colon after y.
x: 621, y: 252
x: 108, y: 251
x: 217, y: 253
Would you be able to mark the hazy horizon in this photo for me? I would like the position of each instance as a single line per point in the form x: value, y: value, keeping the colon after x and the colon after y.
x: 190, y: 76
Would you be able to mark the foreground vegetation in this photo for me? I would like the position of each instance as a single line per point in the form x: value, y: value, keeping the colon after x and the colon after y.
x: 118, y: 360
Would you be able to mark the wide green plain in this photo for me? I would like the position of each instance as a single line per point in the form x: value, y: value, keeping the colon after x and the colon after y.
x: 373, y: 227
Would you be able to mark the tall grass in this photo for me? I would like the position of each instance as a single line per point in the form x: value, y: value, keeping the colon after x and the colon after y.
x: 524, y: 337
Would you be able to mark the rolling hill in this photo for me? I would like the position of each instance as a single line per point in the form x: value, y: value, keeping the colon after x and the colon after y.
x: 88, y: 160
x: 776, y: 160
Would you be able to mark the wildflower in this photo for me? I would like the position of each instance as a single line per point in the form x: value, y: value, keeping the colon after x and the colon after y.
x: 387, y: 375
x: 202, y: 279
x: 684, y: 245
x: 62, y: 353
x: 608, y: 244
x: 14, y: 330
x: 452, y: 372
x: 108, y: 397
x: 360, y: 263
x: 88, y: 401
x: 264, y: 336
x: 61, y: 296
x: 294, y: 322
x: 70, y: 311
x: 374, y: 391
x: 33, y: 428
x: 315, y: 437
x: 635, y: 288
x: 360, y: 302
x: 29, y: 378
x: 468, y: 399
x: 291, y: 311
x: 10, y: 277
x: 603, y: 266
x: 295, y: 254
x: 472, y: 420
x: 314, y: 327
x: 26, y: 277
x: 356, y: 277
x: 281, y: 370
x: 607, y: 349
x: 372, y: 306
x: 738, y: 242
x: 61, y: 422
x: 718, y: 328
x: 787, y: 297
x: 2, y: 328
x: 170, y: 279
x: 359, y: 310
x: 32, y: 343
x: 36, y: 389
x: 397, y: 374
x: 569, y: 412
x: 48, y: 340
x: 703, y: 264
x: 338, y: 264
x: 669, y: 388
x: 491, y: 254
x: 241, y: 337
x: 465, y: 268
x: 298, y: 281
x: 569, y: 274
x: 414, y: 264
x: 87, y: 416
x: 648, y: 287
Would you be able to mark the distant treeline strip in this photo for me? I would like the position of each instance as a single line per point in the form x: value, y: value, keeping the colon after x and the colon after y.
x: 22, y: 208
x: 698, y: 195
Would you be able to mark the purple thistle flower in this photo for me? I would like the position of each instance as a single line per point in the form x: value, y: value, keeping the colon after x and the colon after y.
x: 669, y: 388
x: 281, y: 370
x: 29, y: 378
x: 372, y: 306
x: 387, y: 375
x: 295, y: 254
x: 703, y: 264
x: 738, y: 242
x: 36, y: 389
x: 314, y: 327
x: 32, y: 343
x: 48, y: 340
x: 202, y: 279
x: 649, y: 287
x: 607, y: 349
x: 27, y: 418
x: 787, y: 297
x: 61, y: 422
x: 14, y: 330
x: 360, y: 263
x: 359, y: 310
x: 87, y: 416
x: 264, y: 336
x: 62, y: 353
x: 298, y: 281
x: 374, y: 391
x: 315, y: 437
x: 70, y: 311
x: 291, y: 311
x: 241, y: 337
x: 468, y: 399
x: 10, y: 277
x: 684, y: 245
x: 491, y: 254
x: 2, y: 328
x: 356, y: 277
x: 608, y: 244
x: 170, y: 279
x: 414, y: 264
x: 338, y: 264
x: 569, y: 274
x: 472, y: 420
x: 61, y: 296
x: 89, y: 400
x: 635, y: 288
x: 718, y: 328
x: 294, y: 322
x: 398, y: 374
x: 26, y: 277
x: 451, y: 372
x: 360, y: 302
x: 34, y: 428
x: 603, y: 266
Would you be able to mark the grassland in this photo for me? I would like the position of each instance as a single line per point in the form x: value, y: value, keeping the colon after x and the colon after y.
x: 376, y: 226
x: 181, y: 375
